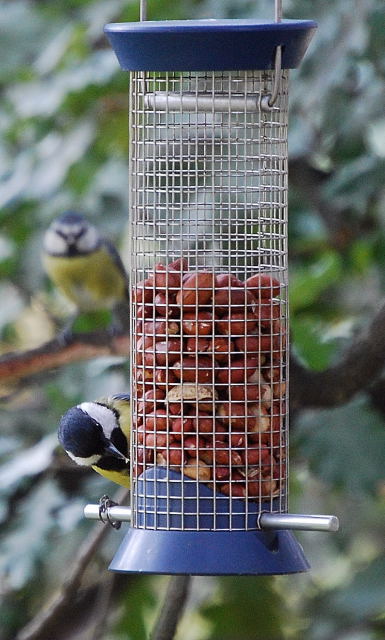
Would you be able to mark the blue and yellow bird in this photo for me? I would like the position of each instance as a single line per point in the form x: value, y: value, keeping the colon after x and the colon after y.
x: 85, y: 267
x: 97, y: 435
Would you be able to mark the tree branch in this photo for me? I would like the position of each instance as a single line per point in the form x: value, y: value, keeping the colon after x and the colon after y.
x: 57, y: 353
x: 102, y: 607
x: 47, y: 617
x: 172, y: 608
x: 359, y: 368
x: 362, y: 363
x: 377, y: 395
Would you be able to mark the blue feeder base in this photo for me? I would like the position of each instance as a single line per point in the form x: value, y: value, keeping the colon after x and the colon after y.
x: 163, y: 495
x: 207, y: 553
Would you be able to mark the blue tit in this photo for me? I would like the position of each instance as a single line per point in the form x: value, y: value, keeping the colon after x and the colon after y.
x: 84, y: 266
x: 97, y: 434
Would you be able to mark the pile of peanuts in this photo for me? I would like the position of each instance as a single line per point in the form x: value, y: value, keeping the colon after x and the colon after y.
x: 209, y: 379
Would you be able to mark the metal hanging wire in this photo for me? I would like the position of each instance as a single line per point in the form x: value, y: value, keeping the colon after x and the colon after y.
x: 278, y: 11
x: 143, y: 10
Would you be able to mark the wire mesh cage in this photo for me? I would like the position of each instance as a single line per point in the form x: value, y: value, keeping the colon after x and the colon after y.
x: 209, y: 325
x: 209, y: 274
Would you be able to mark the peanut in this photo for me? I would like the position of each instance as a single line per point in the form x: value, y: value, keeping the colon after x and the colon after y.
x: 210, y: 379
x: 197, y: 469
x: 194, y: 369
x: 197, y: 289
x: 263, y: 286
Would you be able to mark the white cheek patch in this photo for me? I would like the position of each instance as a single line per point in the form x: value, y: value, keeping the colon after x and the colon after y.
x: 104, y: 416
x: 86, y: 462
x: 55, y: 244
x: 89, y: 240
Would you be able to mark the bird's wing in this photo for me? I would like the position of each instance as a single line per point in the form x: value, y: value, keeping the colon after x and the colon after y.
x: 110, y: 247
x: 125, y: 397
x: 121, y: 402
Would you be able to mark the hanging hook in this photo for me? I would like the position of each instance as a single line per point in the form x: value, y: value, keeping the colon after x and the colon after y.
x: 269, y: 99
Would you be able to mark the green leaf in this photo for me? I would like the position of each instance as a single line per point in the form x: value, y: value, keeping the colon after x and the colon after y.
x: 309, y: 341
x: 26, y: 544
x: 356, y: 181
x: 139, y: 605
x: 361, y: 254
x: 307, y: 283
x: 247, y: 606
x: 365, y: 595
x: 345, y: 446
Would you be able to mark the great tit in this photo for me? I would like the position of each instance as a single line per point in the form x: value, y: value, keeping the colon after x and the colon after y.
x: 84, y: 266
x: 96, y: 434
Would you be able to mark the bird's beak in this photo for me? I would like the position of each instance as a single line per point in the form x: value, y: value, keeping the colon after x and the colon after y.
x: 111, y: 450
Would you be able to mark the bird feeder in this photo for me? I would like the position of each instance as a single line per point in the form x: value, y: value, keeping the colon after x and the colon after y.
x: 208, y: 106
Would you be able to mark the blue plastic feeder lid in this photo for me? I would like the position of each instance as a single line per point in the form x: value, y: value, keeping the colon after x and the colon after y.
x: 209, y: 45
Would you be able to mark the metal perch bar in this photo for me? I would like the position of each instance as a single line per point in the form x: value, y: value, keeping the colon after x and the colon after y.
x: 116, y: 513
x: 298, y: 522
x: 168, y: 101
x: 265, y: 521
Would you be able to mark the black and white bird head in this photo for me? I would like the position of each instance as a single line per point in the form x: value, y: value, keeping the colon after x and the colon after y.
x: 71, y: 234
x: 88, y: 431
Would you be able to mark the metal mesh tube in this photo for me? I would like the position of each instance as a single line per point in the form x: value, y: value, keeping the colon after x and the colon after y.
x: 208, y: 243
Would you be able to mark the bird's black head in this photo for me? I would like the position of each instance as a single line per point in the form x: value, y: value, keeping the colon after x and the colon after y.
x: 83, y: 438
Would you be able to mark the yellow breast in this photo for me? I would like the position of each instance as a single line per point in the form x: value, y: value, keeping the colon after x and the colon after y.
x: 91, y: 282
x: 119, y: 477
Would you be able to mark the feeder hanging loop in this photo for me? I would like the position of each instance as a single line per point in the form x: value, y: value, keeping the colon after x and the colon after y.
x: 105, y: 504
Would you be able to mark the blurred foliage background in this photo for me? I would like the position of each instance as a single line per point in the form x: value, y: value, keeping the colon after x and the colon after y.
x: 63, y: 123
